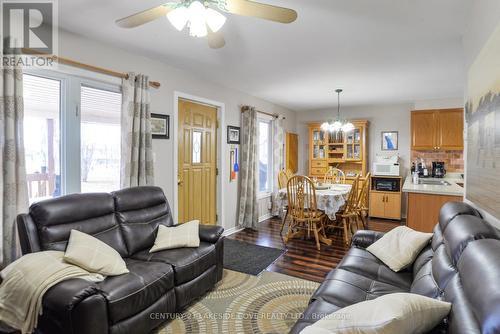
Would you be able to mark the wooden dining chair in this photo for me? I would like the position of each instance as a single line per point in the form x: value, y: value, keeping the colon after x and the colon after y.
x: 282, y: 182
x: 346, y: 217
x: 303, y: 211
x: 334, y: 175
x: 362, y: 203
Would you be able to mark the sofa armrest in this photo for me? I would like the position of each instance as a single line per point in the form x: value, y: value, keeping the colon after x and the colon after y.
x: 74, y: 306
x: 28, y: 234
x: 364, y: 238
x: 210, y: 233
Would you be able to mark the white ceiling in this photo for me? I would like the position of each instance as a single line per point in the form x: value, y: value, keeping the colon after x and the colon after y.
x: 378, y: 51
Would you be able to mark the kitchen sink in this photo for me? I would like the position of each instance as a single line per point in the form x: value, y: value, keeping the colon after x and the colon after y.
x: 434, y: 182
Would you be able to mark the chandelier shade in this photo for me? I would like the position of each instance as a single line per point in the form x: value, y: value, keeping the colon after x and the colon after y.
x: 338, y: 124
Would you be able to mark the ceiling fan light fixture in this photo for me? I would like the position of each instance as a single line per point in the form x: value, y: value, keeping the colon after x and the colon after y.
x: 215, y: 20
x: 178, y: 17
x: 197, y: 22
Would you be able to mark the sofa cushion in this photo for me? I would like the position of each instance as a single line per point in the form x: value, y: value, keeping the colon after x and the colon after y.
x: 139, y: 211
x: 463, y: 230
x: 399, y: 247
x: 366, y: 264
x: 390, y: 314
x: 131, y: 293
x: 317, y: 310
x: 182, y: 235
x: 93, y: 255
x: 343, y: 288
x: 188, y: 263
x: 93, y: 214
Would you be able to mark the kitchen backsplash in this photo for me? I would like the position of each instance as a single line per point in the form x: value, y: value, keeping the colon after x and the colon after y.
x: 454, y: 160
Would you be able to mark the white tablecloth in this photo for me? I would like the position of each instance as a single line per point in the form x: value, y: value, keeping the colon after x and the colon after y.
x: 329, y: 200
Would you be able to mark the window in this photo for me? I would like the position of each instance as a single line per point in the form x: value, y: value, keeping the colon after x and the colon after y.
x: 100, y: 140
x: 42, y: 112
x: 264, y: 148
x: 67, y: 150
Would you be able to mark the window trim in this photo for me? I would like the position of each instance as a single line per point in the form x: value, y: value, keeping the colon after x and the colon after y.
x: 70, y: 119
x: 267, y: 193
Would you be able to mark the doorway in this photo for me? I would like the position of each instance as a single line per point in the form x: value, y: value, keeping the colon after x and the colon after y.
x: 197, y: 162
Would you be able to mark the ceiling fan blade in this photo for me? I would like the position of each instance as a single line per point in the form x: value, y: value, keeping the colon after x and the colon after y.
x: 263, y: 11
x: 143, y: 17
x: 215, y: 39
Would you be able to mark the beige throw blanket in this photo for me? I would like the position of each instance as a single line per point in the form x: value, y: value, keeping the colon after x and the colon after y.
x: 26, y: 280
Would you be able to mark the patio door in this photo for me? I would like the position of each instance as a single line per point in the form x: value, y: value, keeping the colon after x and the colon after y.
x: 197, y: 167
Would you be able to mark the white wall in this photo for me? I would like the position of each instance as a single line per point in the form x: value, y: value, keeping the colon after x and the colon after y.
x: 482, y: 21
x: 381, y: 118
x: 162, y: 101
x: 484, y: 18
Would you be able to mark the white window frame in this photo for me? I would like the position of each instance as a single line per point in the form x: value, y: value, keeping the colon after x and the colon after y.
x: 269, y: 191
x: 70, y: 120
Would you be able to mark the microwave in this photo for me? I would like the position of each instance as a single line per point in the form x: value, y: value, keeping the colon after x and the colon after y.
x: 380, y: 184
x: 386, y: 169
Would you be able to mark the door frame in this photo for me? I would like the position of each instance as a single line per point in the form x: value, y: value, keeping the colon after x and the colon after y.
x: 221, y: 151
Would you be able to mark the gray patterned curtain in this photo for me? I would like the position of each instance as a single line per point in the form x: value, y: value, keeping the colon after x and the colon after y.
x: 278, y: 160
x: 136, y: 143
x: 13, y: 186
x: 248, y: 206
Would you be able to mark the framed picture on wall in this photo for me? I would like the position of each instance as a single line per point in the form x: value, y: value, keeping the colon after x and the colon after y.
x: 390, y: 140
x: 233, y: 135
x: 160, y: 126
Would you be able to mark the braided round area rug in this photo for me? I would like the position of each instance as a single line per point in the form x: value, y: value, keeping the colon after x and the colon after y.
x: 241, y: 303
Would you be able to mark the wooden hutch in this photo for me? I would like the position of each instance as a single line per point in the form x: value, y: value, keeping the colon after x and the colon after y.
x: 346, y: 151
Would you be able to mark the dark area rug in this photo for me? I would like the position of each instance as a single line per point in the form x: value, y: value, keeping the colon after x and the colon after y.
x: 248, y: 258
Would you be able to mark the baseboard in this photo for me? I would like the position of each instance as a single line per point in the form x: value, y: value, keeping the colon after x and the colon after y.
x: 264, y: 217
x: 232, y: 230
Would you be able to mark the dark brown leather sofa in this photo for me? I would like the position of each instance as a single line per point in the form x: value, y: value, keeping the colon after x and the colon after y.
x: 461, y: 265
x: 158, y: 284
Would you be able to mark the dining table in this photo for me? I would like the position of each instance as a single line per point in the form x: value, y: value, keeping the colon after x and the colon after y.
x: 330, y: 198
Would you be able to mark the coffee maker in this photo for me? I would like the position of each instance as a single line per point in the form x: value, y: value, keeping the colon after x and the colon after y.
x: 438, y: 169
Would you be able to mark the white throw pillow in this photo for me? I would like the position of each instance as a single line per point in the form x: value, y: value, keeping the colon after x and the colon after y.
x: 399, y: 247
x: 397, y: 313
x: 184, y: 235
x: 93, y: 255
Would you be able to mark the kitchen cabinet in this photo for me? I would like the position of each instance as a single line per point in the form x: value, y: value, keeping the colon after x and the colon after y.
x: 423, y: 210
x: 437, y: 130
x: 385, y: 204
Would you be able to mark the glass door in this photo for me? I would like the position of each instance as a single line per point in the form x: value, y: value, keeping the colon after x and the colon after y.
x: 354, y: 145
x: 319, y: 151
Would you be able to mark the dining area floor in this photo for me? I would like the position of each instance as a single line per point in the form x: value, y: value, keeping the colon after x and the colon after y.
x: 301, y: 258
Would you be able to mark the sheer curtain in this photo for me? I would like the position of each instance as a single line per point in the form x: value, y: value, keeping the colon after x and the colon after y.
x: 278, y: 159
x: 136, y: 144
x: 13, y: 186
x: 248, y: 215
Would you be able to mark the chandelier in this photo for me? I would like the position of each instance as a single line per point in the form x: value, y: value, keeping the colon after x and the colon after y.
x: 338, y: 124
x: 198, y: 17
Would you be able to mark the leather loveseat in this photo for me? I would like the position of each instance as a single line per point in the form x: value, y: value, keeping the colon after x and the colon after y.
x: 158, y: 284
x: 460, y: 265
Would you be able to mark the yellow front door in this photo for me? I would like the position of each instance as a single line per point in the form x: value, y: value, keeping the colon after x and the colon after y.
x: 197, y: 170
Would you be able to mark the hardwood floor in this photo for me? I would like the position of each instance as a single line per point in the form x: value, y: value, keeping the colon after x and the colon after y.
x: 301, y: 258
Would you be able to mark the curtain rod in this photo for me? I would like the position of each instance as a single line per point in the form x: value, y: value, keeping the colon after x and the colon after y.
x: 74, y: 63
x: 262, y: 112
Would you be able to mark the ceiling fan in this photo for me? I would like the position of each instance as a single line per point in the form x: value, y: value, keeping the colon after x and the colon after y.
x: 204, y: 17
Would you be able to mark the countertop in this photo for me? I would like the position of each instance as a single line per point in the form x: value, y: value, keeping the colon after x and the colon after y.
x: 453, y: 190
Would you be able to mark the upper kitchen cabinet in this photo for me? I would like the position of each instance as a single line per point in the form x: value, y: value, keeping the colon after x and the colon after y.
x: 437, y: 130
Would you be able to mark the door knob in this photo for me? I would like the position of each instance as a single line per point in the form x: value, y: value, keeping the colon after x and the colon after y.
x: 180, y: 182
